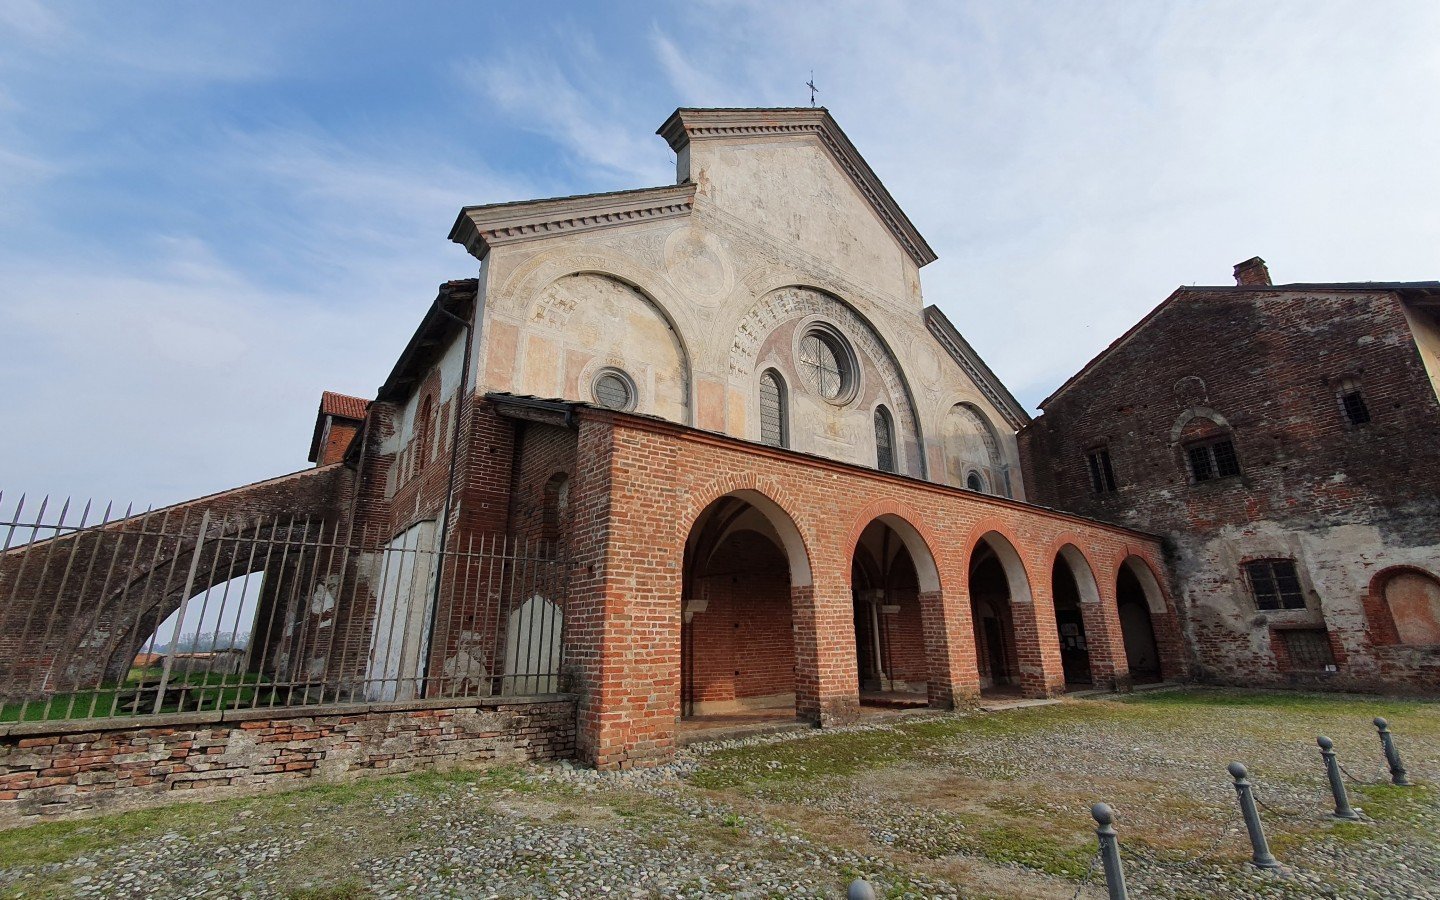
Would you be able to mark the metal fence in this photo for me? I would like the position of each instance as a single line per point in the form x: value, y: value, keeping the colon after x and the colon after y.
x: 191, y: 609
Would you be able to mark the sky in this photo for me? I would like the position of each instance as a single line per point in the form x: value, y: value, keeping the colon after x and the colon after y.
x: 209, y: 213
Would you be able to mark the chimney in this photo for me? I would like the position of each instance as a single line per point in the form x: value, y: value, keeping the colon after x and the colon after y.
x: 1252, y: 273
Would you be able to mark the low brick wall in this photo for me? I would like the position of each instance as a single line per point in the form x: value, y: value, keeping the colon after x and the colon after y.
x: 60, y: 769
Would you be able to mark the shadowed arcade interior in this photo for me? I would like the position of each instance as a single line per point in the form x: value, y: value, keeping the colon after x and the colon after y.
x: 1072, y: 583
x: 1136, y: 600
x: 737, y: 646
x: 889, y: 631
x: 993, y: 592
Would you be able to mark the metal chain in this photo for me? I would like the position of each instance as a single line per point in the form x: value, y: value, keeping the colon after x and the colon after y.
x: 1141, y: 856
x: 1284, y: 814
x: 1089, y: 873
x: 1354, y: 780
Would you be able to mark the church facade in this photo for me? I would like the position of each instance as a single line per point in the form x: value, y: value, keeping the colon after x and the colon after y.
x: 684, y: 454
x: 779, y: 480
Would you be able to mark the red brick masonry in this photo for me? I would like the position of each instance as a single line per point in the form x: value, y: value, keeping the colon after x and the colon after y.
x: 641, y: 484
x: 57, y: 769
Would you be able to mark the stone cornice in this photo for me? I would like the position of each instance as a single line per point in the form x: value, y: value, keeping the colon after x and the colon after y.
x: 959, y: 349
x: 687, y: 125
x: 478, y: 228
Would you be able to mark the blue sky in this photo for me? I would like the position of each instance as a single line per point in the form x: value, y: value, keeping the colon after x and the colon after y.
x: 209, y: 213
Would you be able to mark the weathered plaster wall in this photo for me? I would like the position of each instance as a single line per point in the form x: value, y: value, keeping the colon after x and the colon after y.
x: 695, y: 306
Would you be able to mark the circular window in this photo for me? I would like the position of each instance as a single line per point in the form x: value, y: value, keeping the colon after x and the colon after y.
x: 613, y: 389
x: 827, y: 365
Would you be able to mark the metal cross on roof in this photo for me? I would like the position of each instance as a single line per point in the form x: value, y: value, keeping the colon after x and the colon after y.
x: 811, y: 85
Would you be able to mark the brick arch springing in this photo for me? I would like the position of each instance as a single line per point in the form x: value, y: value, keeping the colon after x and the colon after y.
x: 773, y: 502
x: 910, y: 526
x: 1164, y: 624
x: 1104, y: 649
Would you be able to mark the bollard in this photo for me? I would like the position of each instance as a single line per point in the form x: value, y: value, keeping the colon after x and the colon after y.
x: 860, y: 889
x: 1337, y: 784
x: 1260, y: 858
x: 1392, y: 756
x: 1110, y: 851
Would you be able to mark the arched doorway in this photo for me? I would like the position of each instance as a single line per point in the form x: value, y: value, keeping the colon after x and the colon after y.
x: 1136, y: 595
x: 1072, y: 583
x: 997, y: 582
x: 887, y: 592
x: 737, y: 645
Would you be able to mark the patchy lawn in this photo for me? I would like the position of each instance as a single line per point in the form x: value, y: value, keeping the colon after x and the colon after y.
x: 971, y: 805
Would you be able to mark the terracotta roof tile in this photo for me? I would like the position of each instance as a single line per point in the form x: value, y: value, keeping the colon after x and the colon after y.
x: 343, y: 405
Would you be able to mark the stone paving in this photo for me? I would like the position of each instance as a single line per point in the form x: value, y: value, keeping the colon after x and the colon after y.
x: 946, y: 806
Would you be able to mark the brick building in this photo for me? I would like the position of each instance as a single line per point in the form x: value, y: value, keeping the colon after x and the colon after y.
x: 1283, y: 439
x: 684, y: 451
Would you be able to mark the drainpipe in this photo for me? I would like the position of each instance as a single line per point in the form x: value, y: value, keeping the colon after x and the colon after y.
x: 461, y: 396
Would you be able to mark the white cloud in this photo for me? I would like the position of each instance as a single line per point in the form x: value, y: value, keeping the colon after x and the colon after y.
x: 1073, y: 164
x: 30, y: 19
x: 1070, y: 164
x: 590, y: 119
x: 694, y: 86
x: 174, y: 372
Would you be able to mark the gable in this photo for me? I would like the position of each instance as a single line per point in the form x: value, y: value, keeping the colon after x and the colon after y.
x: 780, y: 161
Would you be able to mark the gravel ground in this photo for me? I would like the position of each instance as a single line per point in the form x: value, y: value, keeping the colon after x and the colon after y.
x: 945, y: 806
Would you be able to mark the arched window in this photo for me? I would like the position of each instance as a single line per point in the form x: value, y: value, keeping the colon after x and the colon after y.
x: 884, y: 440
x: 423, y: 433
x: 773, y: 424
x: 975, y: 483
x: 1209, y: 449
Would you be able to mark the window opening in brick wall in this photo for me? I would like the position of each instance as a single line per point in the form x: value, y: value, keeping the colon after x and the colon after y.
x: 1309, y: 649
x: 424, y: 429
x: 884, y: 440
x: 1102, y: 474
x: 975, y: 483
x: 1275, y: 584
x: 772, y: 409
x: 1352, y: 402
x: 557, y: 503
x: 1213, y: 459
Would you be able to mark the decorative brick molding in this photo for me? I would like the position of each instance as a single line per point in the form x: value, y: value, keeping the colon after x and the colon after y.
x: 62, y: 769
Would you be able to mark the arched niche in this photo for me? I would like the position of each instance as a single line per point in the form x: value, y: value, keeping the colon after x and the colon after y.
x: 972, y: 450
x: 583, y: 323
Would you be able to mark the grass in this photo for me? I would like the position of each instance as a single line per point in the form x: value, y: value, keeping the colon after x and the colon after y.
x: 213, y: 691
x: 1035, y: 818
x: 997, y: 802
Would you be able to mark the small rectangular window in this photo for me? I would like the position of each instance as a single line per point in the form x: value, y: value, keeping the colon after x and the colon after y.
x: 1200, y: 465
x: 1275, y: 584
x: 1213, y: 459
x: 1355, y: 410
x: 1309, y: 649
x: 1102, y: 474
x: 1226, y: 463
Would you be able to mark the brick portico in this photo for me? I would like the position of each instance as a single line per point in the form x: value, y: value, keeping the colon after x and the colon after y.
x: 641, y: 485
